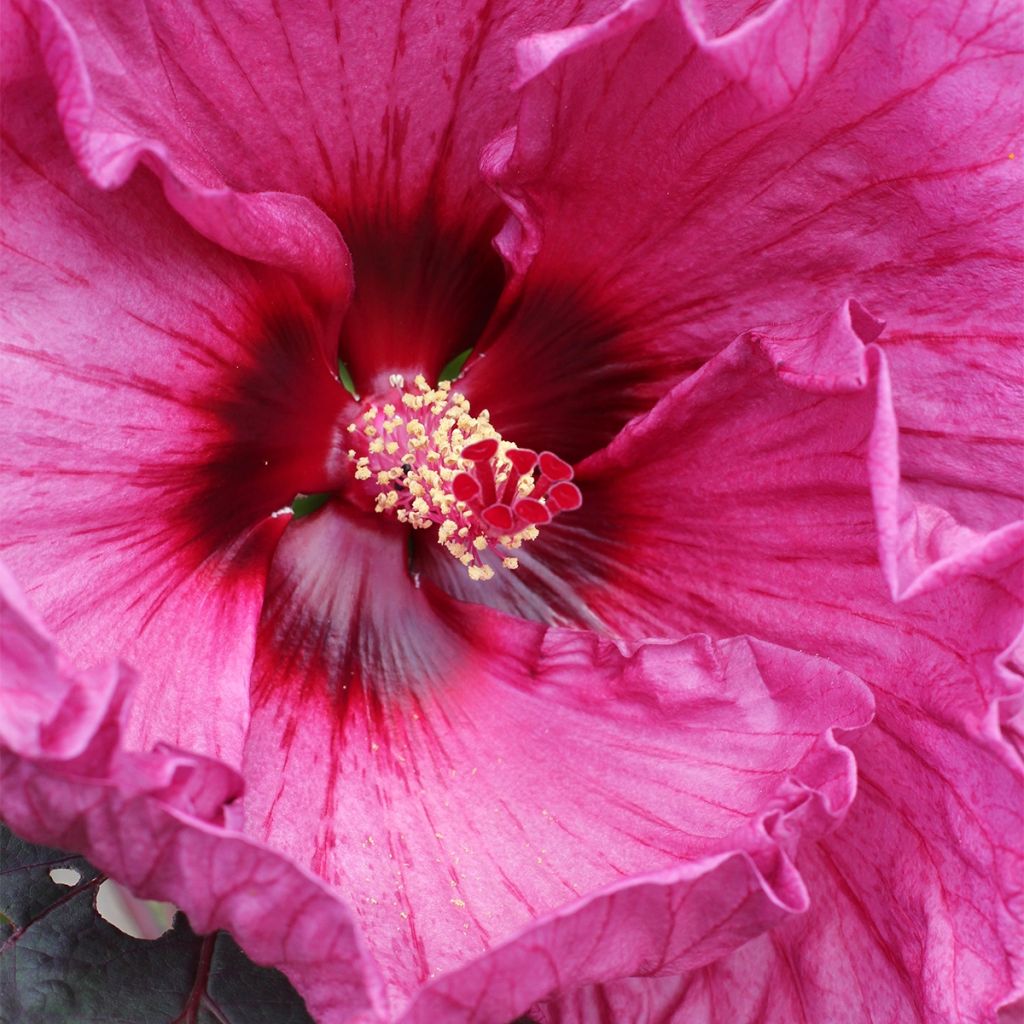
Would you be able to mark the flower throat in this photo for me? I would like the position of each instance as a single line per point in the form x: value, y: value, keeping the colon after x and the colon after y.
x: 428, y: 460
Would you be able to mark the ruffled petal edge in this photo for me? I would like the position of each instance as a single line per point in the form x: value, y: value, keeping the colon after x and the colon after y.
x: 276, y: 228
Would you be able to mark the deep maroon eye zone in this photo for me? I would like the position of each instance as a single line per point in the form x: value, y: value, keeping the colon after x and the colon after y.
x: 422, y: 471
x: 423, y: 293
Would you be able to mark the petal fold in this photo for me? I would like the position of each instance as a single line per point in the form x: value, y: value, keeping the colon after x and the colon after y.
x: 752, y: 172
x: 487, y: 791
x: 162, y: 822
x: 287, y: 231
x: 789, y: 508
x: 163, y: 402
x: 275, y: 125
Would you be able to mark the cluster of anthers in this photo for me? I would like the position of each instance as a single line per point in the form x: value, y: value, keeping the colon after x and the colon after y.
x: 429, y: 461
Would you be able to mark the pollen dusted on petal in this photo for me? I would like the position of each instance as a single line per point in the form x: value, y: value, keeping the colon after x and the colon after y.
x: 429, y: 461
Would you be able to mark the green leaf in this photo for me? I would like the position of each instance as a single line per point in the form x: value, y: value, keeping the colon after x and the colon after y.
x: 61, y: 963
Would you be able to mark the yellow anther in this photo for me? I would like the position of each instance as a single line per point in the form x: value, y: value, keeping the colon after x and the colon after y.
x: 413, y: 446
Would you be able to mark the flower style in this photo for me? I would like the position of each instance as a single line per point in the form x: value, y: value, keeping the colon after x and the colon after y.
x: 662, y: 665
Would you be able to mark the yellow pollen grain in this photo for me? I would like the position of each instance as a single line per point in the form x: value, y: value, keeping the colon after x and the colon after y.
x: 414, y: 463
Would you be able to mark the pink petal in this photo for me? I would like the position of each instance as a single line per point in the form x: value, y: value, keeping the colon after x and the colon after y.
x: 764, y: 494
x: 916, y: 898
x: 732, y: 171
x: 377, y: 112
x: 498, y: 799
x: 775, y: 461
x: 957, y: 404
x: 163, y: 400
x: 287, y: 231
x: 160, y: 822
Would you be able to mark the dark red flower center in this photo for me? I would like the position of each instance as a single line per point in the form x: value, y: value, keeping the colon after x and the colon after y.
x: 426, y: 459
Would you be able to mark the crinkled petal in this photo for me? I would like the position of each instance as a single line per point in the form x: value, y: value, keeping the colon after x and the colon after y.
x: 773, y: 478
x: 780, y: 458
x: 916, y: 902
x: 375, y: 111
x: 287, y: 231
x: 162, y: 401
x: 949, y: 473
x: 682, y: 175
x: 161, y: 822
x: 541, y: 806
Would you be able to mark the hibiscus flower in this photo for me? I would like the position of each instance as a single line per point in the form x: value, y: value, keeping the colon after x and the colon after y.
x: 661, y: 666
